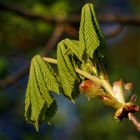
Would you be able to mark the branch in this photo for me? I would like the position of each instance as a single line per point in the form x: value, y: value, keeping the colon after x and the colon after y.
x: 29, y: 15
x: 134, y: 120
x: 56, y: 35
x: 10, y: 80
x: 15, y: 77
x: 121, y: 19
x: 105, y: 18
x: 114, y: 32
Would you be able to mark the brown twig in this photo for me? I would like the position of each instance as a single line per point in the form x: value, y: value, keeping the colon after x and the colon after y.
x: 22, y: 72
x: 10, y: 80
x: 32, y: 16
x: 114, y: 32
x: 134, y: 120
x: 56, y: 35
x: 71, y: 30
x: 105, y: 18
x: 121, y: 19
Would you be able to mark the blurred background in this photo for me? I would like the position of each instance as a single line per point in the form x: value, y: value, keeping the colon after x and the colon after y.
x: 31, y: 27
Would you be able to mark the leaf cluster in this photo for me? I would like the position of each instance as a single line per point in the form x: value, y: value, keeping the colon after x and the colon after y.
x: 44, y: 81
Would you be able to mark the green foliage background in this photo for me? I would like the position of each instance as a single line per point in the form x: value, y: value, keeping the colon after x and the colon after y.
x: 20, y: 39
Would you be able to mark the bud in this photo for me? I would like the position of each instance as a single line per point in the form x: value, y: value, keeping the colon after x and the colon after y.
x: 133, y: 98
x: 118, y: 88
x: 110, y: 101
x: 122, y: 90
x: 128, y: 87
x: 118, y: 114
x: 125, y: 110
x: 90, y: 89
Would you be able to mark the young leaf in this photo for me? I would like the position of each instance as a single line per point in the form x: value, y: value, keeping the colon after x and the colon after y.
x: 47, y: 113
x: 87, y: 33
x: 66, y: 71
x: 34, y: 101
x: 97, y: 27
x: 39, y: 103
x: 47, y: 74
x: 76, y: 47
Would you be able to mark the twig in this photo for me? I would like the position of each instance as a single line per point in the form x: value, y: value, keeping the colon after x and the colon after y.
x: 134, y: 120
x: 114, y: 32
x: 10, y: 80
x: 56, y: 35
x: 105, y: 18
x: 22, y: 72
x: 71, y: 30
x: 121, y: 19
x: 32, y: 16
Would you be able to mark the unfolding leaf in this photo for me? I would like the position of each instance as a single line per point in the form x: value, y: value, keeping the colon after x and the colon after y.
x: 76, y: 47
x: 68, y: 77
x: 39, y: 103
x: 97, y: 27
x: 47, y: 74
x: 34, y: 101
x: 87, y: 33
x: 90, y: 33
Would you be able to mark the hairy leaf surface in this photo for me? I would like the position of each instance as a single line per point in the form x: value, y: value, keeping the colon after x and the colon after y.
x: 87, y: 34
x: 76, y: 47
x: 38, y: 100
x: 67, y: 74
x: 90, y: 33
x: 47, y: 74
x: 97, y: 27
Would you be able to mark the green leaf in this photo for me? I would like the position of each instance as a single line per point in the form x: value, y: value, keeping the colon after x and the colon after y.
x: 47, y: 113
x: 40, y: 81
x: 76, y: 47
x: 47, y: 74
x: 68, y: 77
x: 34, y: 101
x: 97, y: 27
x: 90, y: 33
x: 39, y: 103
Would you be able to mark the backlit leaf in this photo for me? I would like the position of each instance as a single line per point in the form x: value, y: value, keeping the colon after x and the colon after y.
x: 39, y: 103
x: 76, y: 47
x: 66, y: 71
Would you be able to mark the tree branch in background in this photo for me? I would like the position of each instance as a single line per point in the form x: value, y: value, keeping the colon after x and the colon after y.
x: 114, y: 32
x: 51, y: 44
x: 71, y: 30
x: 31, y: 16
x: 105, y: 18
x: 56, y: 35
x: 11, y: 79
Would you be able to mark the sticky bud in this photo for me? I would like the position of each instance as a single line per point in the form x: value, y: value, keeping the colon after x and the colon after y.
x: 125, y: 110
x: 122, y: 90
x: 90, y: 88
x: 133, y: 98
x: 128, y: 87
x: 118, y: 87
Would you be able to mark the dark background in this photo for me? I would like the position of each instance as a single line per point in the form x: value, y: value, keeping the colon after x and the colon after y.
x: 21, y: 37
